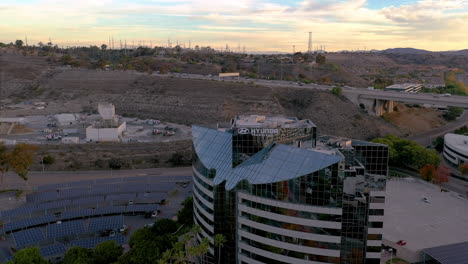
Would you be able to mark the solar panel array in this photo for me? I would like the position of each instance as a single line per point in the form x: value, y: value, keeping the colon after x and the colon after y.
x: 105, y: 223
x: 92, y: 242
x: 8, y: 227
x: 107, y: 189
x: 28, y: 237
x: 53, y: 250
x: 65, y: 229
x: 73, y: 214
x: 449, y: 254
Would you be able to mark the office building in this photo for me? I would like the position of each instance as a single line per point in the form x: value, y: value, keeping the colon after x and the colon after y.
x: 279, y: 193
x: 405, y: 87
x: 456, y: 149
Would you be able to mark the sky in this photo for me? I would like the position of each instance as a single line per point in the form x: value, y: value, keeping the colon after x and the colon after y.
x: 259, y: 25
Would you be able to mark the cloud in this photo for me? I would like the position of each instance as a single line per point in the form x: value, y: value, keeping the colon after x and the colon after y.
x: 261, y: 24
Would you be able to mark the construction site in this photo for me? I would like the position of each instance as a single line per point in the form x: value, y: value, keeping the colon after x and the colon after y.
x: 82, y: 128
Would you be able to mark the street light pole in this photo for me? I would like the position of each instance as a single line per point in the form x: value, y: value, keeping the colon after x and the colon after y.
x: 391, y: 255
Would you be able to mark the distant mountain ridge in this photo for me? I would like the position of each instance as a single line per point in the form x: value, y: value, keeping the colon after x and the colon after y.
x: 421, y: 51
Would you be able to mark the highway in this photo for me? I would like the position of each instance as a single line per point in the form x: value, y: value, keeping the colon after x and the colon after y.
x: 414, y: 98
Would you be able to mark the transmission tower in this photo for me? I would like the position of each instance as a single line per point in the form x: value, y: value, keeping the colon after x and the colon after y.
x: 309, y: 49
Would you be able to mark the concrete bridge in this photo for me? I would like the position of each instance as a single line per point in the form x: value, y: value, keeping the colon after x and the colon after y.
x: 379, y: 102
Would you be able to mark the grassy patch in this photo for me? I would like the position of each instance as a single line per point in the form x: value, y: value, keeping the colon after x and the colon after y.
x: 397, y: 261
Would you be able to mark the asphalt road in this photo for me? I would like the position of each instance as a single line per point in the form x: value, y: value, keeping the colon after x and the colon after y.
x: 429, y: 136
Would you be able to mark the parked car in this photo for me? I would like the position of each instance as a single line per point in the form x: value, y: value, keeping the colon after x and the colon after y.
x: 401, y: 243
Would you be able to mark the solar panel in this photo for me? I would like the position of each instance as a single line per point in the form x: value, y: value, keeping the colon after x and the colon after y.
x: 88, y: 200
x: 142, y: 207
x: 52, y: 186
x: 65, y: 229
x: 105, y: 223
x: 449, y: 254
x: 121, y: 197
x: 8, y: 227
x: 53, y: 250
x: 92, y: 242
x: 108, y: 180
x: 28, y: 237
x: 81, y: 183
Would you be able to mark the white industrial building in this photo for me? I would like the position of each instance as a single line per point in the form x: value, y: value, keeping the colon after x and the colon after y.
x: 108, y: 129
x: 66, y: 119
x: 405, y: 87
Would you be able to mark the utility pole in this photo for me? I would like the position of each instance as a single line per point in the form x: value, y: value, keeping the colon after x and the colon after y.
x: 309, y: 50
x: 294, y: 49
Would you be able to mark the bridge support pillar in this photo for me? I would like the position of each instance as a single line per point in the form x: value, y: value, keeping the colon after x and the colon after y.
x: 376, y: 106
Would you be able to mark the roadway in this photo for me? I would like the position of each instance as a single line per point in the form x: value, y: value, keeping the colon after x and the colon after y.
x: 429, y: 136
x: 415, y: 98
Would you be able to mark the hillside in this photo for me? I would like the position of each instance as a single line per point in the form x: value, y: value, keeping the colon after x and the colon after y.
x: 182, y: 101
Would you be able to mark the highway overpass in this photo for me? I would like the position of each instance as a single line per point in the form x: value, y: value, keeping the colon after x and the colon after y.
x: 380, y: 102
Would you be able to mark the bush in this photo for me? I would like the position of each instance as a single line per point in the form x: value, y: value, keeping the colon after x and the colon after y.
x: 453, y: 113
x: 337, y: 91
x: 48, y: 159
x: 362, y: 106
x: 176, y: 159
x: 115, y: 164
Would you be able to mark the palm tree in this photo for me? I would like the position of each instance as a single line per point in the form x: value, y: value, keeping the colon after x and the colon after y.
x: 219, y: 241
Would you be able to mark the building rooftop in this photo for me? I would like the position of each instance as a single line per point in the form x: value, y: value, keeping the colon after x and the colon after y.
x: 442, y: 221
x: 460, y: 142
x: 261, y: 121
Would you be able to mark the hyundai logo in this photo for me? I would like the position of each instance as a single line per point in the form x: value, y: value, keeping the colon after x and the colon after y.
x: 243, y: 131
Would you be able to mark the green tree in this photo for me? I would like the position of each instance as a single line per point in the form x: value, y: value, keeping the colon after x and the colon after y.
x: 78, y: 255
x: 107, y: 252
x: 337, y: 90
x: 48, y: 159
x: 4, y: 161
x: 21, y: 159
x: 183, y: 251
x: 103, y: 47
x: 28, y: 256
x: 19, y: 43
x: 185, y: 215
x: 164, y: 226
x: 408, y: 153
x: 438, y: 144
x: 219, y: 241
x: 453, y: 113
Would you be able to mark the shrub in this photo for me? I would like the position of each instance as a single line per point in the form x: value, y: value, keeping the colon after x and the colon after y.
x: 48, y: 159
x: 337, y: 91
x: 115, y: 164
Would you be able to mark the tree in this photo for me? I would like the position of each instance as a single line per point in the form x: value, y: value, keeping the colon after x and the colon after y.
x: 21, y: 159
x: 107, y: 252
x: 442, y: 175
x: 19, y: 43
x: 320, y: 59
x: 78, y: 255
x: 28, y: 256
x: 453, y: 113
x: 48, y: 159
x: 183, y: 251
x: 103, y: 47
x: 337, y: 91
x: 115, y: 164
x: 464, y: 168
x: 428, y: 172
x: 4, y: 158
x: 185, y: 215
x: 438, y: 144
x: 219, y: 241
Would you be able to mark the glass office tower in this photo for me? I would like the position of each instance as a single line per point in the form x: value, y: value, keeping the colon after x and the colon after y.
x: 281, y: 194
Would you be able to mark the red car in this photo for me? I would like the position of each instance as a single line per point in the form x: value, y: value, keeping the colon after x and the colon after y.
x: 401, y: 243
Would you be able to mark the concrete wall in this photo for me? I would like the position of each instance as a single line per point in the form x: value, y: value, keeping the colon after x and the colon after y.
x: 373, y: 106
x: 105, y: 134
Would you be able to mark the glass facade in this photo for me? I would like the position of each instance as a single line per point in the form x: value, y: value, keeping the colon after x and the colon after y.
x: 280, y: 194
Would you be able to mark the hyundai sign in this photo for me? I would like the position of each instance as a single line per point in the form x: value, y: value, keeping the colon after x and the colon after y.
x: 258, y: 132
